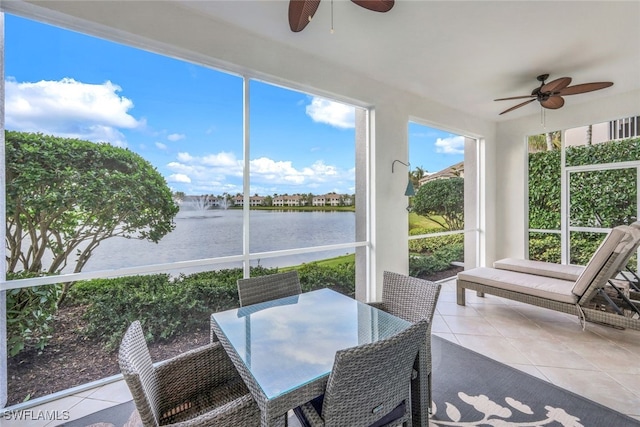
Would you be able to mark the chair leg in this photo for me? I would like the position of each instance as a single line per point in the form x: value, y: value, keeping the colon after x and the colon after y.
x: 429, y: 402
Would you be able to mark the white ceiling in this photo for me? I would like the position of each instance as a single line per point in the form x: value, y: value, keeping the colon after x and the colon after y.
x: 463, y: 54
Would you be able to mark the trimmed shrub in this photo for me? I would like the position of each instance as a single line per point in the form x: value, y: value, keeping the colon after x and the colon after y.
x: 166, y: 306
x: 30, y: 315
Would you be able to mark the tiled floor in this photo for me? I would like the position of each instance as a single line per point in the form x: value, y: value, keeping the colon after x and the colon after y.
x: 600, y: 363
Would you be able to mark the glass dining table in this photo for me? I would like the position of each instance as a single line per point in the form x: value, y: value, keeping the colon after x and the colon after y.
x: 284, y: 349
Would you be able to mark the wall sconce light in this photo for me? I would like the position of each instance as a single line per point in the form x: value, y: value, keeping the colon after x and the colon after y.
x: 410, y: 191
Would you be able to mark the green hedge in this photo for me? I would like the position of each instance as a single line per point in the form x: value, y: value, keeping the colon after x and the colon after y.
x: 166, y: 306
x: 30, y: 315
x: 598, y: 199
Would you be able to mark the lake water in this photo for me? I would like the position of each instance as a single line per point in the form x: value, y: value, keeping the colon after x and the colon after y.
x: 218, y: 233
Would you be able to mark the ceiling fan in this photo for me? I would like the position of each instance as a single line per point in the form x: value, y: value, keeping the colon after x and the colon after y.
x: 301, y: 11
x: 550, y: 94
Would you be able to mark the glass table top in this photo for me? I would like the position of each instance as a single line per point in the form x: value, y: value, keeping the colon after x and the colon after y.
x: 289, y: 342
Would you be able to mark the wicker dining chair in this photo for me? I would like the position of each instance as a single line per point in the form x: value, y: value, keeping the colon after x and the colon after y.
x: 198, y: 388
x: 369, y: 385
x: 266, y: 288
x: 411, y: 299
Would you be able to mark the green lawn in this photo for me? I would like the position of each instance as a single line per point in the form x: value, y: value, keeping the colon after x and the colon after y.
x: 418, y: 221
x: 329, y: 262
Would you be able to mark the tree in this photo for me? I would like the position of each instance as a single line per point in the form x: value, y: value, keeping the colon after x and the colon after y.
x: 65, y: 196
x: 548, y: 141
x: 442, y: 201
x: 416, y: 175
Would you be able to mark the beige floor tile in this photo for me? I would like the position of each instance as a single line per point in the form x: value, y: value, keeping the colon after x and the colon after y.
x: 529, y: 369
x: 539, y: 314
x: 453, y: 309
x: 446, y: 296
x: 570, y: 332
x: 448, y: 337
x: 551, y: 353
x: 439, y: 325
x: 628, y: 381
x: 516, y: 327
x: 608, y: 356
x: 88, y: 406
x: 470, y: 325
x: 496, y: 348
x: 472, y: 298
x: 625, y: 338
x: 595, y: 386
x: 498, y: 310
x: 117, y: 392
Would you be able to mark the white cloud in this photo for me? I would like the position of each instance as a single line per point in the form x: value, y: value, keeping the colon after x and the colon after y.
x: 69, y: 108
x: 220, y: 160
x: 161, y: 146
x: 216, y: 173
x: 267, y: 170
x: 178, y: 177
x: 185, y: 157
x: 332, y: 113
x: 176, y: 137
x: 451, y: 145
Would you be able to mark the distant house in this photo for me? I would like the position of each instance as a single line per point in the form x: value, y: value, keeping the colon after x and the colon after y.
x: 318, y: 201
x: 256, y: 201
x: 333, y: 199
x: 295, y: 200
x: 450, y: 172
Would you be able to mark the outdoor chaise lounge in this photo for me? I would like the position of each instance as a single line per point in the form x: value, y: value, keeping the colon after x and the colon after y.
x: 565, y: 288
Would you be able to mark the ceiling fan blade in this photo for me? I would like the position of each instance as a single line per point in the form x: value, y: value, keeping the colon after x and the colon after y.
x: 301, y: 12
x: 515, y: 97
x: 376, y: 5
x: 556, y: 85
x: 553, y: 103
x: 518, y: 106
x: 585, y: 87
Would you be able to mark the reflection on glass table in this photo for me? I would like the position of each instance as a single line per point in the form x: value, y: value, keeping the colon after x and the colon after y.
x: 284, y: 349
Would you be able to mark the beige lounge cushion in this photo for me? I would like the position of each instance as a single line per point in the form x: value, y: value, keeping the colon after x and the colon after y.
x: 632, y: 246
x: 541, y: 268
x: 605, y: 260
x: 540, y: 286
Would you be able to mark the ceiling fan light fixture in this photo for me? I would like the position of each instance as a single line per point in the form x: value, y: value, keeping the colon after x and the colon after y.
x: 301, y: 11
x: 549, y: 95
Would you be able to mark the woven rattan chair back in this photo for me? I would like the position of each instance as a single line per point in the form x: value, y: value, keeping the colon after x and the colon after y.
x: 369, y: 381
x: 137, y: 368
x: 413, y: 299
x: 409, y: 298
x: 199, y: 387
x: 259, y: 289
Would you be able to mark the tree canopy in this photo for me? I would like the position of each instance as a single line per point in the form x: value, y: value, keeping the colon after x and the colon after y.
x: 65, y: 196
x: 442, y: 201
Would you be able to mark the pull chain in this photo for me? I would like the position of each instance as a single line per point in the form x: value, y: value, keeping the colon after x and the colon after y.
x: 331, y: 16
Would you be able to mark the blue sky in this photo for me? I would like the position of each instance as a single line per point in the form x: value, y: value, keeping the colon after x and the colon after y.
x: 187, y: 119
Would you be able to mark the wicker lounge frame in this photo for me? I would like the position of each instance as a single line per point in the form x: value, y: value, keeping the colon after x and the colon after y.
x: 549, y: 287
